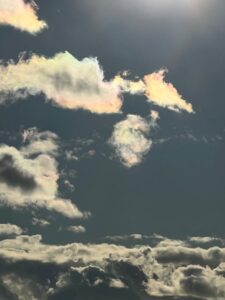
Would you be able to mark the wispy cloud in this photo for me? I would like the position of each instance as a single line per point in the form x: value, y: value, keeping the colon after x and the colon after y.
x: 131, y: 140
x: 40, y: 222
x: 21, y: 15
x: 64, y: 80
x: 164, y: 94
x: 76, y: 229
x: 29, y: 175
x: 154, y: 87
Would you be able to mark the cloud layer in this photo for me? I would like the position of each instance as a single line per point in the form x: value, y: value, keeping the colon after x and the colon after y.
x: 109, y: 271
x: 21, y: 15
x: 29, y: 175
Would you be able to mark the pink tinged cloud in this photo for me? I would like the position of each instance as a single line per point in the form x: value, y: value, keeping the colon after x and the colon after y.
x: 64, y: 80
x: 164, y: 94
x: 21, y: 15
x: 130, y: 138
x: 154, y: 87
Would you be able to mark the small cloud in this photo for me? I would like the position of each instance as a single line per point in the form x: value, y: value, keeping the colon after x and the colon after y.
x: 40, y: 222
x: 117, y: 284
x: 155, y: 89
x: 69, y: 185
x: 76, y: 229
x: 22, y: 15
x: 131, y: 140
x: 164, y: 94
x: 10, y: 229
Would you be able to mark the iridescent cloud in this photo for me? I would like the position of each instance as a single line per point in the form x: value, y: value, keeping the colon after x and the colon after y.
x: 154, y: 87
x: 21, y: 15
x: 131, y: 140
x: 64, y: 80
x: 164, y: 94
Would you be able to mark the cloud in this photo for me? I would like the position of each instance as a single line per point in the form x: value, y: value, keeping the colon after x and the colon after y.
x: 90, y: 271
x: 29, y: 175
x: 21, y: 15
x: 205, y: 240
x: 128, y: 86
x: 155, y: 89
x: 10, y: 229
x: 13, y: 176
x: 73, y: 84
x: 76, y: 229
x: 164, y: 94
x: 131, y: 140
x: 40, y: 222
x: 64, y: 80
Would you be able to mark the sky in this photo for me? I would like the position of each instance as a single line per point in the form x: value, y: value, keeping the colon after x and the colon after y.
x: 112, y: 147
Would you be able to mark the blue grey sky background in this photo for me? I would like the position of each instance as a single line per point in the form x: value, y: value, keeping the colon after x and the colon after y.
x: 178, y: 190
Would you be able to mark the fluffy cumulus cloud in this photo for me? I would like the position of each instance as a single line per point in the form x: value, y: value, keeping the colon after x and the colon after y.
x: 21, y: 15
x: 157, y: 91
x: 29, y: 175
x: 131, y: 140
x: 109, y: 271
x: 64, y: 80
x: 10, y: 229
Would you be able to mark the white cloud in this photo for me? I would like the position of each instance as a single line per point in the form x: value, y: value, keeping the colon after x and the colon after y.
x: 131, y: 140
x: 40, y: 222
x: 76, y: 229
x: 21, y: 15
x: 29, y: 175
x: 64, y: 80
x: 10, y: 229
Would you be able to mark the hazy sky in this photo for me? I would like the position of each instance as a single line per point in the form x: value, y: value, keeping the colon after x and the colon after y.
x: 112, y: 147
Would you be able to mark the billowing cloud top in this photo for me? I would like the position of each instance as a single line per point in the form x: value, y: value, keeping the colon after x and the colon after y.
x: 21, y: 15
x: 66, y: 81
x: 172, y: 269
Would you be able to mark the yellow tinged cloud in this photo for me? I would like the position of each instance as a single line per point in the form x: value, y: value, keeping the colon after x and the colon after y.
x: 164, y: 94
x: 130, y: 138
x: 21, y: 15
x: 128, y: 86
x: 155, y: 89
x: 80, y: 84
x: 64, y: 80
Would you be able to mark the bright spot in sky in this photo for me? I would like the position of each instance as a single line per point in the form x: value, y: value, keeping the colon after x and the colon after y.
x: 173, y: 5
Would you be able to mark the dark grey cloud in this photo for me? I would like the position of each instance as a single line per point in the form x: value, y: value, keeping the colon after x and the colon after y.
x: 13, y: 176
